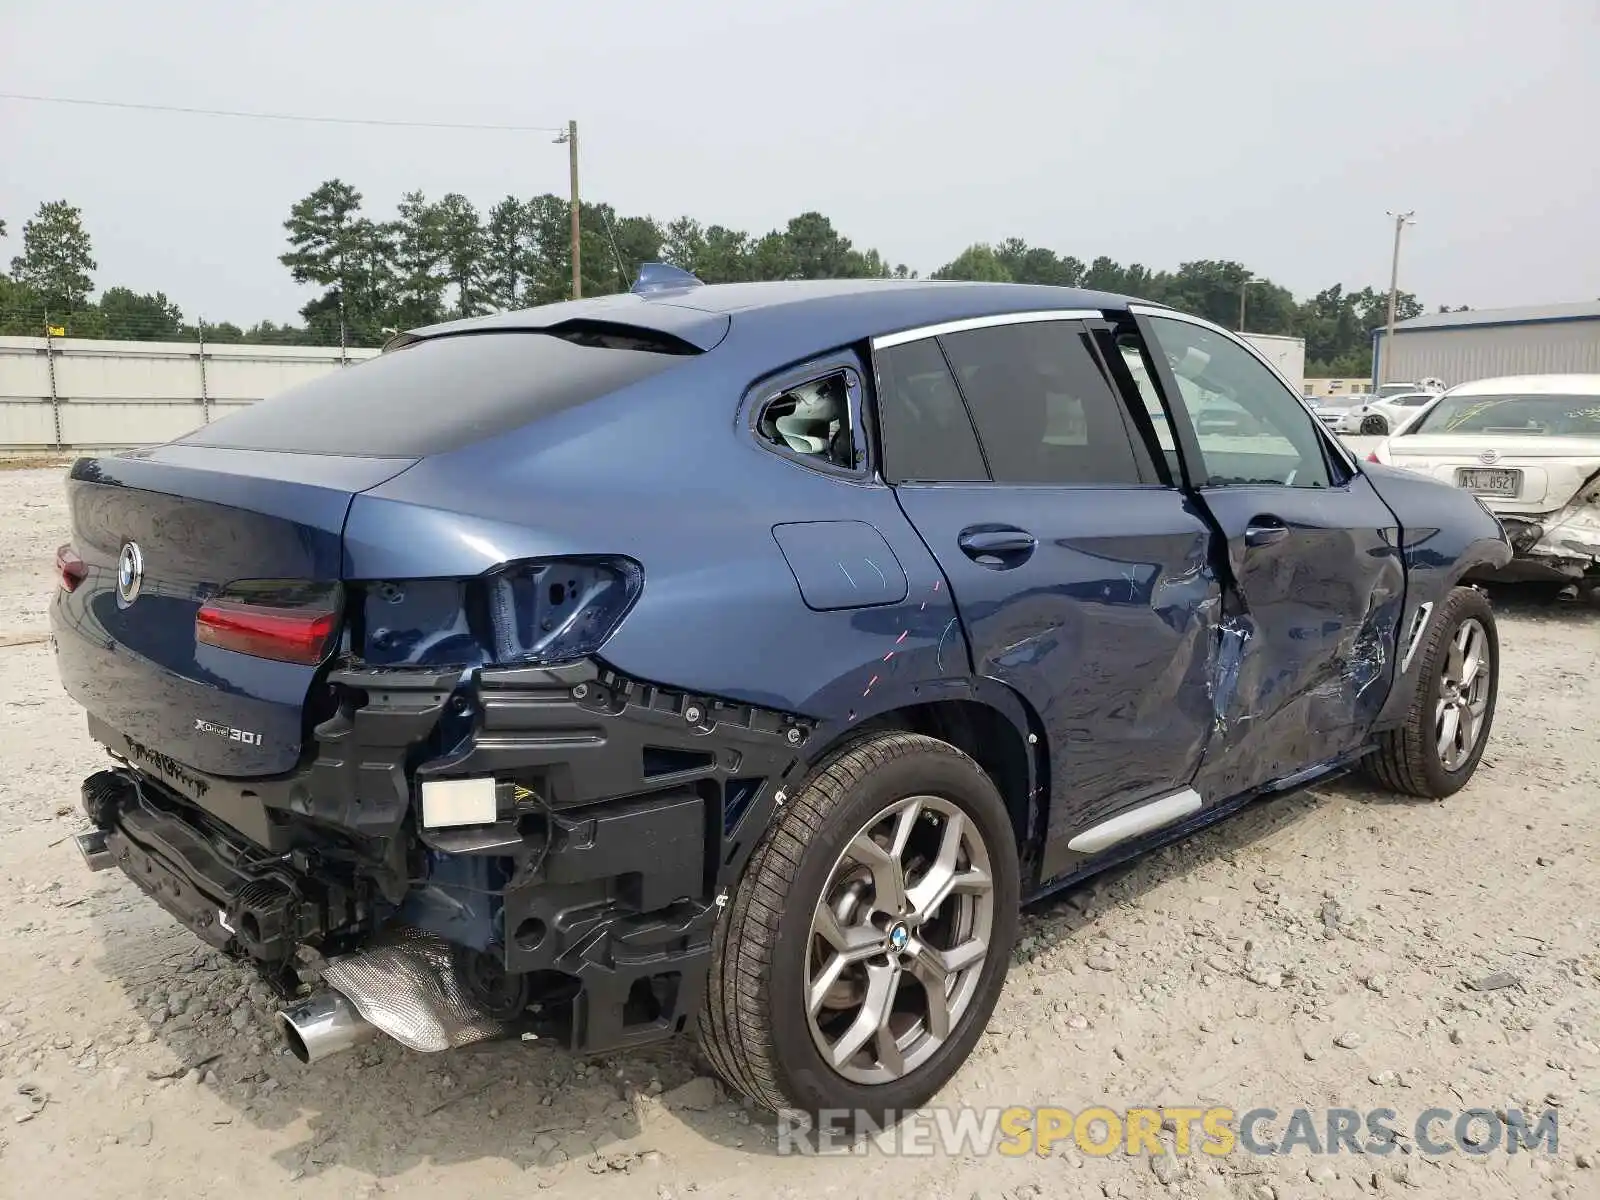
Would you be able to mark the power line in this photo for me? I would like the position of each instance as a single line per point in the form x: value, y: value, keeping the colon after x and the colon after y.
x: 265, y: 116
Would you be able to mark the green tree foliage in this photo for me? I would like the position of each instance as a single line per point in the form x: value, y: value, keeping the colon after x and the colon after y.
x: 140, y: 317
x: 320, y: 235
x: 462, y: 238
x: 507, y: 263
x: 439, y: 259
x: 979, y: 263
x: 418, y: 239
x: 56, y: 261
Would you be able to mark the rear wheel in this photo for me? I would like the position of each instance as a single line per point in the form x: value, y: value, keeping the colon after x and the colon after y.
x: 868, y: 941
x: 1436, y: 750
x: 1374, y: 425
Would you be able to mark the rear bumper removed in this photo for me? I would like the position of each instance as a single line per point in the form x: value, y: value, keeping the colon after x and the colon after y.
x: 623, y: 811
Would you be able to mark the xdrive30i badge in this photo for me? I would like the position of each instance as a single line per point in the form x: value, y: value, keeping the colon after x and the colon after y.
x: 233, y: 735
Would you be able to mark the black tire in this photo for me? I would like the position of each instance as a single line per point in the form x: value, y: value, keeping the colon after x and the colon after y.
x: 753, y: 1025
x: 1407, y: 759
x: 1374, y: 426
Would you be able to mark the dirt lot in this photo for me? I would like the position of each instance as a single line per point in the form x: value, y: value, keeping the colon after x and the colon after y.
x: 1316, y: 951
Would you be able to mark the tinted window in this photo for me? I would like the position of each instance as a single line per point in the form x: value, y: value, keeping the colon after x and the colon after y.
x: 434, y: 396
x: 926, y: 433
x: 1044, y: 411
x: 1251, y: 428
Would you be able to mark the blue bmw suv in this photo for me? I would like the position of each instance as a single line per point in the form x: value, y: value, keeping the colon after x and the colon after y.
x: 741, y: 657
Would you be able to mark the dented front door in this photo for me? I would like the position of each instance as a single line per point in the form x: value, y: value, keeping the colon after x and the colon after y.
x: 1308, y: 557
x: 1305, y: 661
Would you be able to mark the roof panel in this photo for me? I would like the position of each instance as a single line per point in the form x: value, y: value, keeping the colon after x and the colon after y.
x: 1588, y: 310
x: 839, y: 309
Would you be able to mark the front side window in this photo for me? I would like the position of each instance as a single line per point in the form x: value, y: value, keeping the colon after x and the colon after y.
x: 1044, y: 411
x: 1252, y: 430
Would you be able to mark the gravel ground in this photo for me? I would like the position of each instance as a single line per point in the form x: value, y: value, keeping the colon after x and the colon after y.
x: 1314, y: 951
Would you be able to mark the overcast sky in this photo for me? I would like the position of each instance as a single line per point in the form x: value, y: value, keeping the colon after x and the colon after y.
x: 1157, y: 131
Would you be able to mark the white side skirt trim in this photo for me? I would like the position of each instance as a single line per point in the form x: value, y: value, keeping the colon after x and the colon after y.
x: 1139, y: 820
x: 1419, y: 625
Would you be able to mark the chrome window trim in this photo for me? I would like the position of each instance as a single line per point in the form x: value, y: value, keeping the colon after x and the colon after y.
x: 1329, y: 438
x: 886, y: 340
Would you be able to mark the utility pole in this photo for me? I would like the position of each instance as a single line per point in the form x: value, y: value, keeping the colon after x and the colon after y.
x: 1244, y: 290
x: 1401, y: 220
x: 570, y: 137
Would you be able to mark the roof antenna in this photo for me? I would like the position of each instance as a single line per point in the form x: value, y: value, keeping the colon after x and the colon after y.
x: 622, y: 272
x: 663, y: 277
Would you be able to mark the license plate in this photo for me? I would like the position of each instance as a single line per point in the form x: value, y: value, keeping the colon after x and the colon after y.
x: 1488, y: 482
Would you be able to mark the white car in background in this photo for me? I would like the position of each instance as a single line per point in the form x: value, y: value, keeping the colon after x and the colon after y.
x: 1528, y: 447
x: 1331, y: 410
x: 1382, y: 415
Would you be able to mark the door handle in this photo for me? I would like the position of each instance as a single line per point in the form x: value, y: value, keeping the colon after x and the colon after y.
x: 1264, y: 531
x: 998, y: 548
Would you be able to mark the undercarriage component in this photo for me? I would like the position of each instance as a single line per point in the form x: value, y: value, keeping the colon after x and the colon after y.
x: 408, y: 988
x: 583, y: 910
x: 229, y: 892
x: 499, y: 993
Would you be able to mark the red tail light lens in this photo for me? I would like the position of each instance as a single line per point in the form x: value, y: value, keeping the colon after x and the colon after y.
x: 293, y: 623
x: 1372, y: 457
x: 70, y: 570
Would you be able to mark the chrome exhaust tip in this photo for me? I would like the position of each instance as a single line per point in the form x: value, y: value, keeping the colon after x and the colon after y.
x: 323, y: 1025
x: 406, y: 987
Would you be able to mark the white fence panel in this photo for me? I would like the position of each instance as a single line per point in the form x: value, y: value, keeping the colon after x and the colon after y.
x: 86, y: 394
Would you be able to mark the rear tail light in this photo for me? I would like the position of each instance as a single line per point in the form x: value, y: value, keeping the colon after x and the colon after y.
x: 70, y: 569
x: 1372, y: 457
x: 285, y: 621
x: 559, y: 610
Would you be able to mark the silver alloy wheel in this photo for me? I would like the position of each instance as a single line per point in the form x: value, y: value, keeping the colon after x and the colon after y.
x: 1464, y: 683
x: 911, y: 895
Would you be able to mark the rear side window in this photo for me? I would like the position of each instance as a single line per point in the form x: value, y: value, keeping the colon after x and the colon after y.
x: 1045, y: 412
x: 927, y: 436
x: 435, y: 396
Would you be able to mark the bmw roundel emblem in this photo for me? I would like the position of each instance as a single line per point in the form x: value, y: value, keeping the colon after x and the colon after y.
x: 130, y: 572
